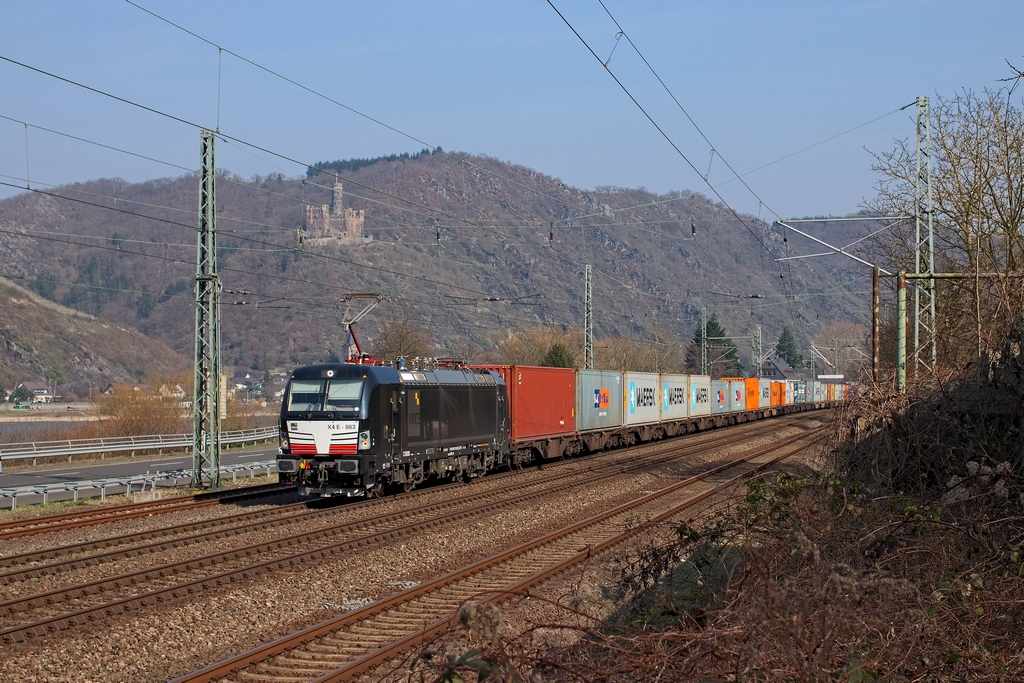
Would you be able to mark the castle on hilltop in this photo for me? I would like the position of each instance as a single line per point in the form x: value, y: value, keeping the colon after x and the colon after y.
x: 335, y: 221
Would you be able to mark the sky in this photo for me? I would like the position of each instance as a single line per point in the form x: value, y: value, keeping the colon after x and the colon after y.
x: 791, y: 95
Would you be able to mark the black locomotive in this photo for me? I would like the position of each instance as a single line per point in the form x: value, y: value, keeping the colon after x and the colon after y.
x: 351, y: 429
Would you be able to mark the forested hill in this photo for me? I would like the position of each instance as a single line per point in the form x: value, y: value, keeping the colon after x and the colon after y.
x: 44, y: 341
x: 450, y: 234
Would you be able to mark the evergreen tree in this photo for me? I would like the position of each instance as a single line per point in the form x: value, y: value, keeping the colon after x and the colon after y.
x: 723, y: 359
x: 558, y: 356
x: 21, y: 395
x: 787, y: 350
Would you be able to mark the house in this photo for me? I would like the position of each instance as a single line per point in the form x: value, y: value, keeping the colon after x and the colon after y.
x: 176, y: 391
x: 40, y: 392
x: 775, y: 368
x: 239, y: 380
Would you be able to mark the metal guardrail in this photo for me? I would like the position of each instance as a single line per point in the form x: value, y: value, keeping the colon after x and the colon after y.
x: 139, y: 481
x: 72, y: 447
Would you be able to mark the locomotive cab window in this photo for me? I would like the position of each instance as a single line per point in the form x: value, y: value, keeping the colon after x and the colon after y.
x: 305, y: 395
x: 344, y: 394
x: 316, y: 395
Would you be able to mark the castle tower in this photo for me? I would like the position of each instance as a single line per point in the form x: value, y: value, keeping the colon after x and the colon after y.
x: 354, y: 222
x: 337, y: 200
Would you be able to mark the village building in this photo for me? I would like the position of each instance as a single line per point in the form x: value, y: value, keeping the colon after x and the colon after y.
x: 40, y: 392
x: 775, y: 368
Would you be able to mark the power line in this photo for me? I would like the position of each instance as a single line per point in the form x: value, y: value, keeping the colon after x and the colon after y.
x: 285, y: 157
x: 248, y: 144
x: 676, y: 147
x: 192, y: 170
x: 714, y: 149
x: 428, y: 209
x: 97, y: 144
x: 659, y: 129
x: 236, y: 236
x: 348, y: 108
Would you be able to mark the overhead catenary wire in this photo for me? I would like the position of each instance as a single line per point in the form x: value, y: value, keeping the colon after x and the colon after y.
x: 783, y: 268
x: 278, y: 247
x: 229, y: 233
x: 316, y: 306
x: 674, y: 146
x: 477, y: 223
x: 240, y: 141
x: 187, y: 169
x: 425, y: 213
x: 660, y: 129
x: 714, y: 150
x: 241, y: 237
x: 338, y: 103
x: 461, y: 220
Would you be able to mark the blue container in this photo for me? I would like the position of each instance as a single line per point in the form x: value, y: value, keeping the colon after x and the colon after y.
x: 737, y: 398
x: 719, y: 396
x: 598, y: 400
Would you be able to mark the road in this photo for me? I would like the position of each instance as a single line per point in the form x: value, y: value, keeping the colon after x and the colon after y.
x: 113, y: 468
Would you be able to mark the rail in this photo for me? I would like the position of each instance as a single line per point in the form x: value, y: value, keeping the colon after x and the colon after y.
x: 138, y: 482
x: 72, y: 447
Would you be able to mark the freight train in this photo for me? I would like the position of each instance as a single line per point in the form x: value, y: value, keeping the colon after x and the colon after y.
x: 356, y: 429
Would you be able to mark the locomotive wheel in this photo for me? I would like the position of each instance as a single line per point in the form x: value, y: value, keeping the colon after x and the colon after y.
x: 408, y: 486
x: 375, y: 491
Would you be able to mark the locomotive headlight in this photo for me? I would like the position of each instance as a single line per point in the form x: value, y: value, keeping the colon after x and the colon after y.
x: 284, y: 443
x: 364, y: 440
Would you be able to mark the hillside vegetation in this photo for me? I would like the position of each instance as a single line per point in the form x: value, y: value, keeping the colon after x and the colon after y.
x: 460, y: 244
x: 41, y: 340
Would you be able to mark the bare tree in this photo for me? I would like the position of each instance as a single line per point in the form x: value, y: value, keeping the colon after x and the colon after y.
x: 978, y: 214
x: 529, y: 347
x: 847, y: 345
x: 664, y: 354
x: 398, y: 336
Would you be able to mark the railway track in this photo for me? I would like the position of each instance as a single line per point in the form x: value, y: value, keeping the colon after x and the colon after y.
x: 80, y: 603
x: 355, y: 642
x: 73, y: 556
x: 72, y: 520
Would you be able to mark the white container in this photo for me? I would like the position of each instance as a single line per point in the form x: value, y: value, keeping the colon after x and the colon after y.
x: 674, y: 397
x: 640, y: 398
x: 700, y: 395
x: 765, y: 399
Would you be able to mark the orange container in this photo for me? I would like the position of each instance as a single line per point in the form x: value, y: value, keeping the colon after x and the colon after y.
x: 778, y: 393
x: 753, y: 391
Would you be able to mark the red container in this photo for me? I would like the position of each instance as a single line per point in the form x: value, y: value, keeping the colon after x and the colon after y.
x: 542, y: 400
